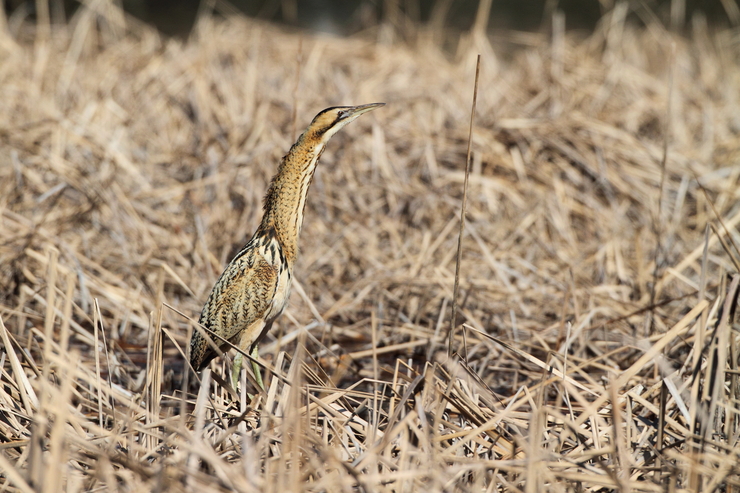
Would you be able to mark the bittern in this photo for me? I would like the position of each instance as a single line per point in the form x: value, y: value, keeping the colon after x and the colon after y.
x: 253, y: 289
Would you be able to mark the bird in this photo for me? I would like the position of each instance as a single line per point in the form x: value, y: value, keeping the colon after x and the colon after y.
x: 253, y: 290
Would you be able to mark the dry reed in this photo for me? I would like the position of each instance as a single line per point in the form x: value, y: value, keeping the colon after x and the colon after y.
x: 598, y: 278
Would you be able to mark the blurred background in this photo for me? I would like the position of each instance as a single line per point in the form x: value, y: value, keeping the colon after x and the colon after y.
x: 345, y: 17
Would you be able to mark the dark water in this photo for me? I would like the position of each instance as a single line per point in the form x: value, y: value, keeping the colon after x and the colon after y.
x: 176, y: 17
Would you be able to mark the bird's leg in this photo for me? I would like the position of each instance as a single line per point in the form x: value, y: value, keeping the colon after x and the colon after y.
x: 256, y: 368
x: 238, y: 360
x: 236, y: 369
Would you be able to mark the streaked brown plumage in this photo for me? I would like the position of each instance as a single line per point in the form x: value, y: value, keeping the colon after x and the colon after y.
x: 253, y: 289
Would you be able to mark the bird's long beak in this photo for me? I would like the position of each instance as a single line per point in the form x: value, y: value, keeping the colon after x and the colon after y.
x: 356, y: 111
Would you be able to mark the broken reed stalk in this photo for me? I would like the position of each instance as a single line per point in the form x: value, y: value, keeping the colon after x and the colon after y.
x: 660, y: 255
x: 463, y: 208
x: 294, y: 116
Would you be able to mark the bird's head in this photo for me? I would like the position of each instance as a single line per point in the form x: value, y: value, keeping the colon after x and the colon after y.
x: 331, y: 120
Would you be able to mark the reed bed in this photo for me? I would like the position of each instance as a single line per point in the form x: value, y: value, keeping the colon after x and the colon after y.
x: 597, y: 344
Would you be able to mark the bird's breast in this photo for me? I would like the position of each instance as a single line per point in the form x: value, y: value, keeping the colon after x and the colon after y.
x: 273, y: 254
x: 282, y: 293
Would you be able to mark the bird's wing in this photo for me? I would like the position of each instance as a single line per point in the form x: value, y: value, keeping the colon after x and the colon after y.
x: 240, y: 297
x: 246, y: 289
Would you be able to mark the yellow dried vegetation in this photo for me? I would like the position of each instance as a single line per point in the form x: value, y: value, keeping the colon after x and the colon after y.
x: 598, y: 348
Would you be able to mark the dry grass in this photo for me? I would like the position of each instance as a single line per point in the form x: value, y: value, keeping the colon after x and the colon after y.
x: 598, y: 284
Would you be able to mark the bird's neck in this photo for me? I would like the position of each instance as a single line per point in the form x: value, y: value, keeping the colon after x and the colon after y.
x: 286, y: 197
